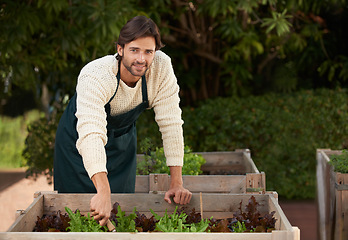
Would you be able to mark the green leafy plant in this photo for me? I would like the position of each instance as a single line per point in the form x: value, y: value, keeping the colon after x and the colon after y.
x: 278, y: 22
x: 155, y: 160
x: 177, y: 223
x: 239, y: 227
x: 39, y: 146
x: 80, y: 223
x: 340, y: 161
x: 125, y: 223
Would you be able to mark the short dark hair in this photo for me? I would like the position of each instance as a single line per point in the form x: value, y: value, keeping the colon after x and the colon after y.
x: 138, y: 27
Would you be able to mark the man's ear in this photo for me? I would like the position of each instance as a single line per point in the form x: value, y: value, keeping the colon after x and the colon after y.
x: 119, y: 50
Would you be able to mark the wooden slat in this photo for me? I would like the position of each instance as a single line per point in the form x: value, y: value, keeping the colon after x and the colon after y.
x: 251, y: 182
x: 282, y: 222
x: 159, y: 182
x: 220, y: 162
x: 341, y: 226
x: 345, y: 214
x: 212, y: 202
x: 26, y: 221
x: 142, y: 184
x: 215, y: 183
x: 249, y: 164
x: 255, y: 182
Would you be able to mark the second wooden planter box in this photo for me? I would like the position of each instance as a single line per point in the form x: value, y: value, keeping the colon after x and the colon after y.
x: 243, y: 175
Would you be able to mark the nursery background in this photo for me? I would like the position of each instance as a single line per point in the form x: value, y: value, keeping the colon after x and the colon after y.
x: 267, y: 75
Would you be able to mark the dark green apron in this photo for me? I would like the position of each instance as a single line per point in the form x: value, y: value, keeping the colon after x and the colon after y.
x: 70, y: 175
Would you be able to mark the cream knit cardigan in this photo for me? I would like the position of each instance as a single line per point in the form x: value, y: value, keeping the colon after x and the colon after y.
x: 96, y: 85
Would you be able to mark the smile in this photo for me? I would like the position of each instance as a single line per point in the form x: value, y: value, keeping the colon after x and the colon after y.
x: 139, y: 67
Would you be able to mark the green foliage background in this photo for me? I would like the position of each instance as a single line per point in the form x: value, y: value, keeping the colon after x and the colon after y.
x: 246, y: 70
x: 219, y: 48
x: 340, y: 162
x: 282, y: 131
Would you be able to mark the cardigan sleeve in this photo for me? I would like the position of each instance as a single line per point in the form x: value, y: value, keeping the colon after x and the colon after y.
x: 168, y: 112
x: 96, y: 85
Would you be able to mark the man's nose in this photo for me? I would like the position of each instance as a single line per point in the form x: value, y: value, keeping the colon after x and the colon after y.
x: 141, y: 57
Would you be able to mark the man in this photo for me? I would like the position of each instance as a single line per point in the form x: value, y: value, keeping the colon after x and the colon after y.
x: 95, y: 148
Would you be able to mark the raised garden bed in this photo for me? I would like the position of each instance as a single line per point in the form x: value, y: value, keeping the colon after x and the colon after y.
x: 332, y: 196
x: 224, y: 172
x: 218, y: 205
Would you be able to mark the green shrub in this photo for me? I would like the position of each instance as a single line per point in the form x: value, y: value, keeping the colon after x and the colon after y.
x: 340, y: 162
x: 282, y: 131
x: 39, y: 146
x: 155, y: 161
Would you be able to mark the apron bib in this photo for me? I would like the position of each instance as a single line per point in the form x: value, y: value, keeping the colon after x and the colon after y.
x: 70, y: 175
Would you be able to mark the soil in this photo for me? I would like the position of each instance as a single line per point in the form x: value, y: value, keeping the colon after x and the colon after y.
x: 16, y: 193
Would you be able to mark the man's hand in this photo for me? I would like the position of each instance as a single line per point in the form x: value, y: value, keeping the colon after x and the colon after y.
x: 101, y: 202
x: 181, y: 195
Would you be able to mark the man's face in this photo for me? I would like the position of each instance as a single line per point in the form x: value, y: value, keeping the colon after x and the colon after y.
x: 138, y: 55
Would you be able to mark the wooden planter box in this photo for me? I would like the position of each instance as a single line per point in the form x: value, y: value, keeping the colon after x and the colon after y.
x: 243, y: 175
x: 332, y: 196
x: 217, y: 205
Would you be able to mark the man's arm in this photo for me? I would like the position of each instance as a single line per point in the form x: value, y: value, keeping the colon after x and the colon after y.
x: 101, y: 202
x: 176, y: 190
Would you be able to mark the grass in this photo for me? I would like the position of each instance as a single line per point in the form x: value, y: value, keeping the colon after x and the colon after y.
x: 13, y: 132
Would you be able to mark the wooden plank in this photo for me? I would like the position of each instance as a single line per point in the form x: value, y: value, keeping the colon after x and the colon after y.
x: 142, y: 184
x: 212, y: 202
x: 282, y: 222
x: 255, y: 182
x: 215, y: 183
x: 341, y: 206
x: 325, y: 192
x: 321, y: 195
x: 249, y: 164
x: 26, y: 221
x: 345, y: 214
x: 294, y: 234
x: 222, y: 162
x: 159, y: 183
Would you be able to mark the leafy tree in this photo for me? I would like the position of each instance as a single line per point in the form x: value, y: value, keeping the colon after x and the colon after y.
x: 237, y: 47
x: 219, y: 47
x: 44, y: 44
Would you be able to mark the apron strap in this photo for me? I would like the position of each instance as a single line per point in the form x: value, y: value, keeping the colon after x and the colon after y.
x: 144, y: 90
x: 118, y: 84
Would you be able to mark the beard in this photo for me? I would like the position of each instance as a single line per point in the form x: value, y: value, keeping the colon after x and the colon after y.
x: 136, y: 69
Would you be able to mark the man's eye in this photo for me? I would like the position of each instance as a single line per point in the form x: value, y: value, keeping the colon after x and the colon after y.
x: 133, y: 50
x: 149, y: 52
